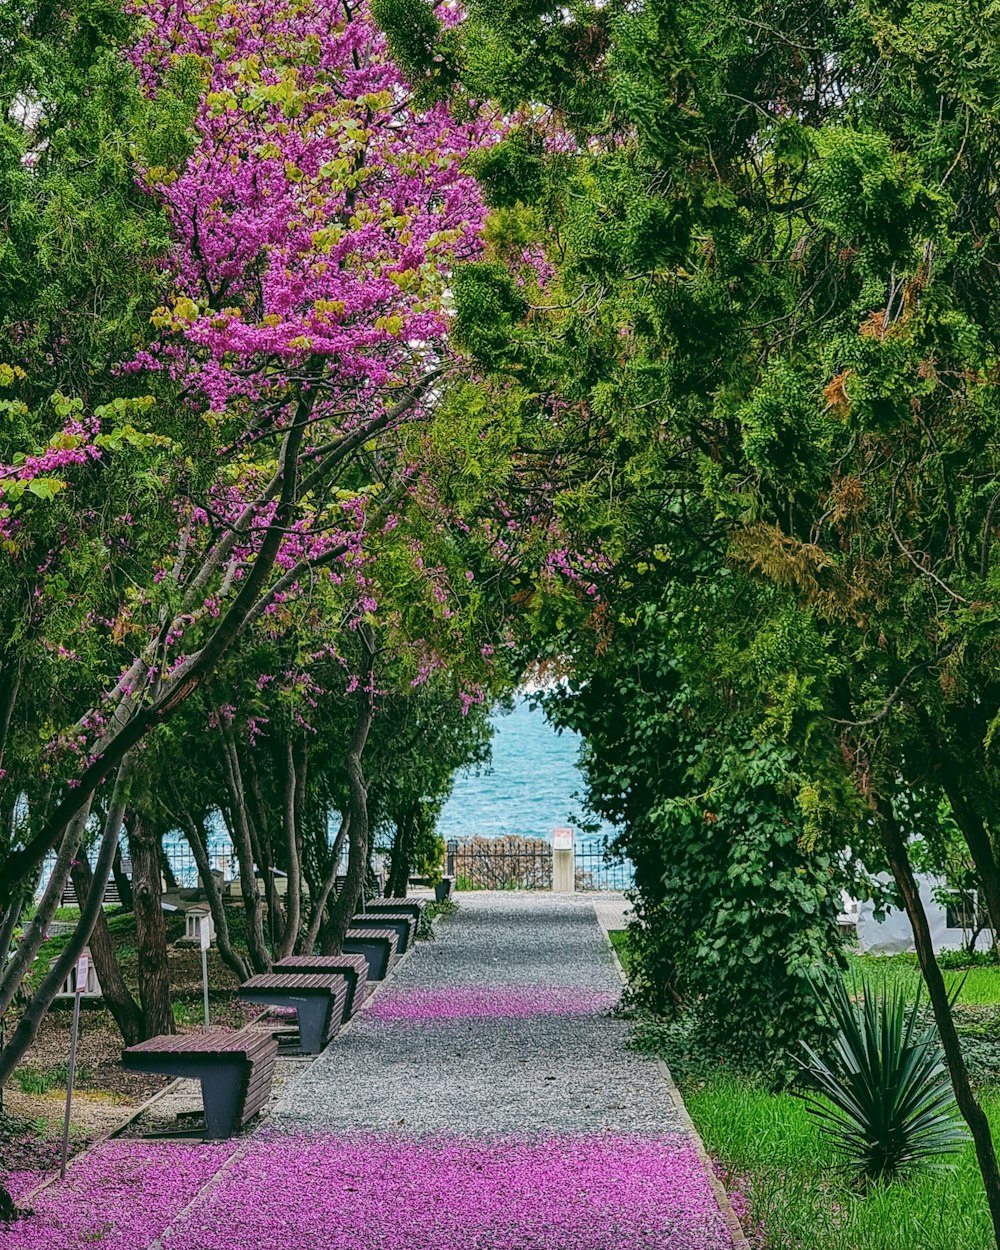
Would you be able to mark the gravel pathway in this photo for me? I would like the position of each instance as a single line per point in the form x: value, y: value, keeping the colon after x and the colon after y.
x: 491, y: 1065
x: 482, y: 1100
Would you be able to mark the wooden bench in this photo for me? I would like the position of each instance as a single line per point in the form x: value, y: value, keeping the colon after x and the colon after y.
x: 409, y: 906
x: 352, y: 968
x: 318, y: 1000
x: 377, y: 945
x: 235, y: 1069
x: 405, y: 926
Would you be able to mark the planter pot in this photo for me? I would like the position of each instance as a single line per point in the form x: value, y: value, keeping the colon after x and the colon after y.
x: 442, y: 890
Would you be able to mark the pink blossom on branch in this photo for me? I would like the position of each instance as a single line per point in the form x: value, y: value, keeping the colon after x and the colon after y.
x: 319, y: 214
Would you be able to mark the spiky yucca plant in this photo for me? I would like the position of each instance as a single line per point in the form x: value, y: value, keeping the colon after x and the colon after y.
x: 889, y: 1105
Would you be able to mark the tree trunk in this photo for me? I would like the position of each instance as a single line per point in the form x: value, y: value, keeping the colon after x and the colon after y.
x: 977, y: 839
x: 402, y: 845
x: 357, y: 860
x: 969, y: 821
x: 10, y: 684
x: 259, y: 820
x: 223, y: 941
x: 122, y: 882
x: 11, y: 917
x: 239, y: 831
x: 320, y: 902
x: 342, y: 912
x: 293, y: 899
x: 34, y: 1014
x: 14, y: 973
x: 120, y: 1002
x: 150, y: 928
x: 972, y: 1112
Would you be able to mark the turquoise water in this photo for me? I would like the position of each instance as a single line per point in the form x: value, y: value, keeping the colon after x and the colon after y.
x: 530, y: 787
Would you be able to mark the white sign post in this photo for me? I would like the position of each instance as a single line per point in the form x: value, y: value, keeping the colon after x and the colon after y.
x: 205, y: 937
x: 82, y: 976
x: 563, y: 869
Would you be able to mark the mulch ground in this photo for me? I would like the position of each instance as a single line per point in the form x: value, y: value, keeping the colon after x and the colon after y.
x: 34, y: 1100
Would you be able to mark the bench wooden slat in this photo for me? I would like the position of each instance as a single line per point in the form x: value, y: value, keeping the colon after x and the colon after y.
x: 291, y: 981
x: 353, y: 969
x: 236, y: 1070
x: 412, y: 906
x: 213, y: 1041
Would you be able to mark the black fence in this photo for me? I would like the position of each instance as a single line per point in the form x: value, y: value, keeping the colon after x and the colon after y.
x: 595, y: 869
x: 508, y: 863
x: 517, y: 863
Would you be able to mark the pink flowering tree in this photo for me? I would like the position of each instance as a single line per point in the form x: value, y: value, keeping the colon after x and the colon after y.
x: 316, y: 220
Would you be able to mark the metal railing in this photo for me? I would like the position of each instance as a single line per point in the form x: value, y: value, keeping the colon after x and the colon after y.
x: 594, y: 868
x: 518, y: 863
x: 507, y: 863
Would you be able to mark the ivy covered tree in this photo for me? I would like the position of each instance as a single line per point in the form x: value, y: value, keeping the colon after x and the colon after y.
x: 735, y: 906
x: 764, y: 335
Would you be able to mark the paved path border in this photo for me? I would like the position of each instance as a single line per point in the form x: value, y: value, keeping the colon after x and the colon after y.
x: 739, y: 1237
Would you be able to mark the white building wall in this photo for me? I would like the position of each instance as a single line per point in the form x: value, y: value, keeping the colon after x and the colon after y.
x: 894, y: 934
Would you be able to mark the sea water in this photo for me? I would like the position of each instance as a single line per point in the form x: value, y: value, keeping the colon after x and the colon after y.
x: 532, y: 786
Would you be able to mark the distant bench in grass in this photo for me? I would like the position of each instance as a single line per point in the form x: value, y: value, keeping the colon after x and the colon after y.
x: 236, y: 1071
x: 318, y: 999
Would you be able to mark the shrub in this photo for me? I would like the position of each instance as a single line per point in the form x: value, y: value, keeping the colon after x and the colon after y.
x: 887, y: 1101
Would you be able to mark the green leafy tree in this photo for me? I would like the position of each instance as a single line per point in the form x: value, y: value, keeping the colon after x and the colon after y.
x: 765, y: 332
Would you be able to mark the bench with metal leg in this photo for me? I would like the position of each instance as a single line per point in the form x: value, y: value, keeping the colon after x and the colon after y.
x: 404, y: 925
x: 317, y: 999
x: 379, y: 947
x: 236, y: 1071
x: 352, y: 968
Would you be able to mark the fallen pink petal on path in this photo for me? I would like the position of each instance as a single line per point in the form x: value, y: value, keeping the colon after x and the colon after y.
x: 506, y: 1002
x: 594, y: 1192
x: 120, y: 1196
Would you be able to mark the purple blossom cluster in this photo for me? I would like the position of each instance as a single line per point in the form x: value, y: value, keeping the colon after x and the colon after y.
x: 495, y: 1002
x: 592, y: 1192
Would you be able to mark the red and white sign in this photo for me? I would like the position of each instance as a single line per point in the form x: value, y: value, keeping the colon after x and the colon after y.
x: 82, y: 973
x: 562, y: 839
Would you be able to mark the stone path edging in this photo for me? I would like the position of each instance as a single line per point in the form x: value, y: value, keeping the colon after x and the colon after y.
x: 739, y: 1237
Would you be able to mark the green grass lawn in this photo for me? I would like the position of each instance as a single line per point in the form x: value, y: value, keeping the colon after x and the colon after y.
x: 795, y: 1195
x: 981, y: 987
x: 772, y: 1149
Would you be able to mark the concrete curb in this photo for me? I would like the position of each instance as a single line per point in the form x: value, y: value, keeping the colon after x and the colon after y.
x: 739, y: 1237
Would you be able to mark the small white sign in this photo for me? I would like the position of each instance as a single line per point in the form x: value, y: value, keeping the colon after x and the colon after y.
x: 205, y: 932
x: 82, y: 973
x: 562, y: 839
